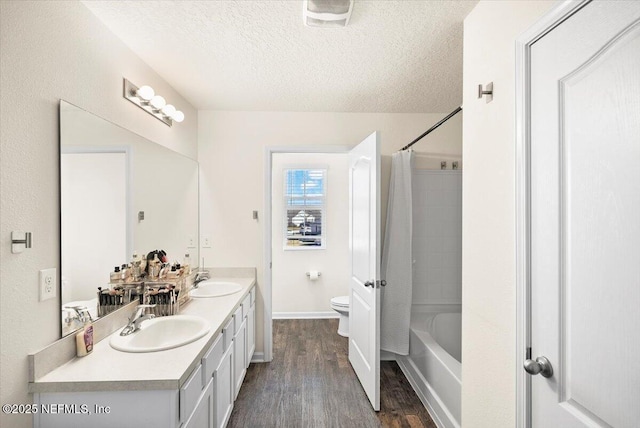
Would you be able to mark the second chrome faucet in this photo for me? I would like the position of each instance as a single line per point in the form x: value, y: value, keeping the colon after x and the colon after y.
x: 136, y: 319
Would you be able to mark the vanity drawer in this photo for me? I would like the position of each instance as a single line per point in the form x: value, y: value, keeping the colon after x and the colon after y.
x: 252, y: 293
x: 212, y: 359
x: 190, y: 392
x: 238, y: 318
x: 228, y: 332
x: 246, y: 305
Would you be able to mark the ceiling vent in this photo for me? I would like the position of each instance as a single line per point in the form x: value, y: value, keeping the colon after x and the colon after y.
x: 327, y: 13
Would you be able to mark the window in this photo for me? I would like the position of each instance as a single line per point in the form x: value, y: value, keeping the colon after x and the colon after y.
x: 304, y: 208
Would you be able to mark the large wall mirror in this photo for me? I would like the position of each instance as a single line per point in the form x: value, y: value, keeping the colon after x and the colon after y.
x: 120, y: 194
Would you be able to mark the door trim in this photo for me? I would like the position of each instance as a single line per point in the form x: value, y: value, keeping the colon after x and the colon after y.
x: 267, y: 289
x: 554, y: 17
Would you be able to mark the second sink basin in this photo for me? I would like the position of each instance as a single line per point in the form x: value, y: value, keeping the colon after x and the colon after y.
x: 212, y: 288
x: 159, y: 334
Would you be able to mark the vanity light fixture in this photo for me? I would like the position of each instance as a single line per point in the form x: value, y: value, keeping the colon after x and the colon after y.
x: 154, y: 104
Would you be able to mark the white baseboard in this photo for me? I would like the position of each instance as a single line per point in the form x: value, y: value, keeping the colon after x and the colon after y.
x: 387, y: 356
x: 258, y: 357
x: 304, y: 315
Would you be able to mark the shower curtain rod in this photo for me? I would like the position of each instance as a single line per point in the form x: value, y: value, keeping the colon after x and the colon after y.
x: 433, y: 128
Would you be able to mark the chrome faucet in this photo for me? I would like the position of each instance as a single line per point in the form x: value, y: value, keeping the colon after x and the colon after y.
x: 202, y: 275
x: 81, y: 314
x: 136, y: 319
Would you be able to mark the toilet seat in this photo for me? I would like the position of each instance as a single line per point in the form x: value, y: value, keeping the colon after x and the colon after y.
x: 340, y: 304
x: 340, y: 301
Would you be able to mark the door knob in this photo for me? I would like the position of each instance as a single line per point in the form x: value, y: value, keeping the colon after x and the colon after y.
x: 540, y: 365
x: 368, y: 284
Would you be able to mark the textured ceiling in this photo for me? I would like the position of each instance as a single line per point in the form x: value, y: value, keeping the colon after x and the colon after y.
x: 394, y: 57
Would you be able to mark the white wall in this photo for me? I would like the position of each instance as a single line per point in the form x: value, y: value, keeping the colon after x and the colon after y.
x: 292, y: 291
x: 231, y: 155
x: 51, y: 50
x: 488, y: 256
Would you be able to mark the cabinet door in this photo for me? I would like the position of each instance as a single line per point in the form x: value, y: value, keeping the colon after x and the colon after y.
x: 203, y: 414
x: 251, y: 334
x: 223, y: 380
x: 239, y: 366
x: 190, y: 393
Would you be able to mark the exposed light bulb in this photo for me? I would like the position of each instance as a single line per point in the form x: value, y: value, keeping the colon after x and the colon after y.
x: 168, y: 110
x: 145, y: 92
x: 146, y: 98
x: 157, y: 102
x: 178, y: 116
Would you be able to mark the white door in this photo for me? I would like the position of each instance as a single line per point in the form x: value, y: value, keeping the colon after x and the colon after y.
x: 585, y: 219
x: 94, y: 220
x: 364, y: 244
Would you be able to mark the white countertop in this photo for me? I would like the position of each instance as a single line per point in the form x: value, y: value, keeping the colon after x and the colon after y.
x: 107, y: 369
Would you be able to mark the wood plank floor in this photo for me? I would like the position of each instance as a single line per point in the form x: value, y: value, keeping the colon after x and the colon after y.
x: 310, y: 383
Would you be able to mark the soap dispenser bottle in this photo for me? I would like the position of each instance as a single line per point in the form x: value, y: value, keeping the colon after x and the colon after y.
x: 84, y: 339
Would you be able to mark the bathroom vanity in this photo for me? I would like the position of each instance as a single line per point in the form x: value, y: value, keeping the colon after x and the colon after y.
x: 191, y: 386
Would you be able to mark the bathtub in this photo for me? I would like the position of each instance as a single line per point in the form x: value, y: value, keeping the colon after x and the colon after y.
x: 433, y: 366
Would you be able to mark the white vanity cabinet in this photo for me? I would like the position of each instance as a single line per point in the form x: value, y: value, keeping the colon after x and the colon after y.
x: 251, y: 327
x: 224, y: 379
x: 194, y: 405
x: 203, y: 415
x: 239, y: 350
x: 204, y: 400
x: 190, y: 406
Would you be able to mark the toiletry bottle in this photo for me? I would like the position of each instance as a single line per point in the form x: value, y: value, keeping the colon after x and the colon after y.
x: 143, y: 264
x: 84, y: 340
x: 186, y: 264
x: 116, y: 275
x: 126, y: 273
x: 135, y: 270
x: 164, y: 269
x: 173, y: 273
x: 154, y: 268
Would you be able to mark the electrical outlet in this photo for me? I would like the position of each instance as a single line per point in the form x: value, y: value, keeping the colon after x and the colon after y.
x: 206, y: 241
x: 192, y: 242
x: 47, y: 284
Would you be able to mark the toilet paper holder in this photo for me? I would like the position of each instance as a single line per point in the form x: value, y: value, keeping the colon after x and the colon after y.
x: 309, y: 274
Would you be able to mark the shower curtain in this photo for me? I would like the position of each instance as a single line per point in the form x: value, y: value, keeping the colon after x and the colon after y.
x: 397, y: 258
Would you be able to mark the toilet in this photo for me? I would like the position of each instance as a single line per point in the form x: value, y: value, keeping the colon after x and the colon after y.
x: 340, y: 304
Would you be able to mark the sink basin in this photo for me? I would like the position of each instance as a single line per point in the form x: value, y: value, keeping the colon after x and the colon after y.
x: 159, y: 334
x: 213, y: 288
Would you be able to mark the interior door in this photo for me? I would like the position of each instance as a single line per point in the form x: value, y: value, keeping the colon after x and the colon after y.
x: 94, y: 192
x: 585, y: 220
x: 364, y: 244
